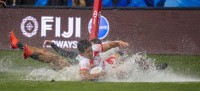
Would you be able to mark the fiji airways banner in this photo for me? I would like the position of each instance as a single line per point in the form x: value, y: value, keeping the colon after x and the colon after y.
x: 52, y: 25
x: 150, y: 31
x: 65, y: 29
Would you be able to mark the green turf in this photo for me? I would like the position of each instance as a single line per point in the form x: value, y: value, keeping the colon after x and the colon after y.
x: 182, y: 64
x: 96, y: 86
x: 188, y: 65
x: 16, y: 58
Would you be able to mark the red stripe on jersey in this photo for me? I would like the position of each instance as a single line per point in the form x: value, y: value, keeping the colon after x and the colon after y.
x: 96, y: 53
x: 91, y: 63
x: 83, y: 68
x: 109, y: 60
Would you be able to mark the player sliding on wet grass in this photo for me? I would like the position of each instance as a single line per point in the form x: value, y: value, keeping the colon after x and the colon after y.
x: 88, y: 55
x: 57, y: 61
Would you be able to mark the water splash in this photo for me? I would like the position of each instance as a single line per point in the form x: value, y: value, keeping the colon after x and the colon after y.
x: 134, y: 68
x: 67, y: 74
x: 5, y: 63
x: 132, y: 71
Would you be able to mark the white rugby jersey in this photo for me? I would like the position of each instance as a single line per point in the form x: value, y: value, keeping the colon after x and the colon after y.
x: 85, y: 63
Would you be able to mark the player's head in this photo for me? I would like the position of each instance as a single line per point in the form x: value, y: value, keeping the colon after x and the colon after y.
x: 85, y: 48
x: 83, y: 45
x: 96, y: 41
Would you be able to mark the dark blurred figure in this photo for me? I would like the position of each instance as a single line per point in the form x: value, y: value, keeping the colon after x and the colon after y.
x: 120, y: 3
x: 89, y: 3
x: 57, y: 2
x: 13, y: 2
x: 79, y: 3
x: 2, y: 3
x: 27, y: 2
x: 20, y: 2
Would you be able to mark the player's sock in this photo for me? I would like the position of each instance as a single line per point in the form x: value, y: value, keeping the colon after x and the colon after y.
x: 35, y: 56
x: 27, y: 52
x: 20, y: 45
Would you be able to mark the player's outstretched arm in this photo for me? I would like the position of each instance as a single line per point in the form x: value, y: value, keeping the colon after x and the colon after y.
x: 113, y: 44
x: 60, y: 51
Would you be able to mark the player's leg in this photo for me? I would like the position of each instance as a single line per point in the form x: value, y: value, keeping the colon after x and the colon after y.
x: 55, y: 62
x: 39, y: 54
x: 15, y: 43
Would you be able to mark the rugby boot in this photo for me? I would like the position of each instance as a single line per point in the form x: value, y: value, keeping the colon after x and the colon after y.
x: 13, y: 40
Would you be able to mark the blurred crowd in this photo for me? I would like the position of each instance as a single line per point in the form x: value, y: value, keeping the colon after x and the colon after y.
x: 105, y: 3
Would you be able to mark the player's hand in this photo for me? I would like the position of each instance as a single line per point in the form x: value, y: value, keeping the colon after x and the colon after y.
x: 47, y: 42
x: 123, y: 44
